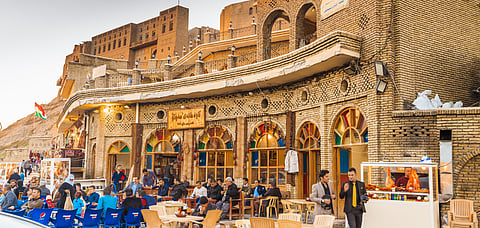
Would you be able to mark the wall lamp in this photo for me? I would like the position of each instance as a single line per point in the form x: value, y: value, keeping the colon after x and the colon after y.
x: 200, y: 55
x: 168, y: 59
x: 233, y: 49
x: 381, y: 70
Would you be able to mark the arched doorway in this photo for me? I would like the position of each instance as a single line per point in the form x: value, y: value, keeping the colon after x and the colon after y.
x: 118, y: 154
x: 267, y: 148
x: 306, y: 25
x: 350, y: 149
x: 276, y: 20
x: 161, y: 146
x: 215, y: 151
x: 308, y: 144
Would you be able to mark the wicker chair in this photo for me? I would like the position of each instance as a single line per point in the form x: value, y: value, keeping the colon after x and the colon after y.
x: 461, y: 214
x: 211, y: 219
x: 289, y: 224
x: 242, y: 223
x: 262, y: 223
x: 151, y: 218
x: 290, y: 216
x: 324, y: 221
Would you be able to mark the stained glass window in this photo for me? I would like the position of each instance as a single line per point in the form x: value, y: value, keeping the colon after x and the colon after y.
x: 216, y: 158
x: 161, y: 146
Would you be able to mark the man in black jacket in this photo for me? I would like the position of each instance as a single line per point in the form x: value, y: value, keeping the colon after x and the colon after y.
x: 130, y: 202
x: 214, y: 191
x: 258, y: 190
x: 351, y: 191
x: 230, y: 193
x: 168, y: 172
x: 178, y: 190
x: 272, y: 190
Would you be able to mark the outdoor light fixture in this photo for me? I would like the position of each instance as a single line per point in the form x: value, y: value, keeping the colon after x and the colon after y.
x: 351, y: 70
x: 379, y: 68
x: 253, y: 20
x: 136, y: 63
x: 381, y: 86
x: 233, y: 49
x: 230, y: 24
x: 184, y: 48
x: 200, y: 55
x: 168, y: 59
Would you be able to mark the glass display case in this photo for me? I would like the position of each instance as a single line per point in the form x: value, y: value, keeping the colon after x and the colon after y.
x: 6, y: 169
x: 401, y: 190
x: 54, y: 170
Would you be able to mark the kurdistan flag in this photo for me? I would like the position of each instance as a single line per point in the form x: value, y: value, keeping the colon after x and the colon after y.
x: 39, y: 111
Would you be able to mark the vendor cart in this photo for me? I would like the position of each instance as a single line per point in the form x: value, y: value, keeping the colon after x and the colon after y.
x: 412, y: 205
x: 54, y: 170
x: 6, y: 169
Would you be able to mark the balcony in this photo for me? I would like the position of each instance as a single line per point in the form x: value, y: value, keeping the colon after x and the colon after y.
x: 326, y: 53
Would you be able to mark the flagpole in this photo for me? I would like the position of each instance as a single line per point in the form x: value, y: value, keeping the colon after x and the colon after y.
x: 33, y: 132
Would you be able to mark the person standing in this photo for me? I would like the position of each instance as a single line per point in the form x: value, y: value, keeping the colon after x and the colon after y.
x: 118, y: 177
x: 28, y: 167
x: 148, y: 178
x: 351, y: 191
x: 66, y: 189
x: 168, y: 173
x: 402, y: 181
x: 323, y: 195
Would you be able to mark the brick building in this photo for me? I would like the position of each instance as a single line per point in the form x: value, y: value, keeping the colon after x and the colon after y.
x: 312, y: 88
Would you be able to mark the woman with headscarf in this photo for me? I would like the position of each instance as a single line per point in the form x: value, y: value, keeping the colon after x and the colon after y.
x: 65, y: 189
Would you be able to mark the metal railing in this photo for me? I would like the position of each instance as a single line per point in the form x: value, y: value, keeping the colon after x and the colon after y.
x: 215, y: 65
x: 246, y: 59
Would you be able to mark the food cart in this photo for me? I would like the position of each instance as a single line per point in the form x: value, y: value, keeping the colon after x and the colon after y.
x: 6, y: 169
x: 54, y: 170
x: 414, y: 205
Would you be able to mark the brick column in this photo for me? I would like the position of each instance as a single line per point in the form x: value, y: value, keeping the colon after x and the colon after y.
x: 136, y: 153
x: 136, y: 77
x: 187, y: 163
x: 290, y: 140
x: 199, y: 67
x: 231, y: 61
x: 168, y: 72
x: 240, y: 170
x: 207, y: 38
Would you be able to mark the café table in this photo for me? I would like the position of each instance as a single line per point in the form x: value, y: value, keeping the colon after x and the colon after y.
x: 174, y: 219
x: 171, y: 206
x: 303, y: 206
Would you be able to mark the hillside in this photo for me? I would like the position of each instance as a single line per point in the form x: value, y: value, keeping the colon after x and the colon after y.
x: 16, y: 135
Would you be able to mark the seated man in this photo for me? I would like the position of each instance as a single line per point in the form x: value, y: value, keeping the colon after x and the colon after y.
x: 134, y: 185
x: 202, y: 208
x: 259, y: 190
x: 131, y: 201
x: 199, y: 190
x: 147, y: 200
x: 272, y: 190
x: 92, y: 197
x: 34, y: 201
x: 246, y: 188
x: 214, y: 191
x: 178, y: 190
x: 230, y: 193
x: 107, y: 201
x: 162, y: 188
x: 10, y: 199
x: 20, y: 189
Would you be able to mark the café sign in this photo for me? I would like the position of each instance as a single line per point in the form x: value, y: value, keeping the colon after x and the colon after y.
x: 186, y: 118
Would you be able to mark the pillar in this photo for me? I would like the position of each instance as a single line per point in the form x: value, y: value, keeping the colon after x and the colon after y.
x: 188, y: 148
x: 241, y: 147
x: 231, y: 61
x: 136, y: 153
x: 207, y: 37
x: 199, y: 67
x: 290, y: 140
x: 167, y: 75
x: 137, y: 77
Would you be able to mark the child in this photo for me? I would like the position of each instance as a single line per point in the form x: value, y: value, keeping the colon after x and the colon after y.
x: 78, y: 203
x: 49, y: 201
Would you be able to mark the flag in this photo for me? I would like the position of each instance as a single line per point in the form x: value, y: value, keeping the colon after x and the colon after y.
x: 39, y: 111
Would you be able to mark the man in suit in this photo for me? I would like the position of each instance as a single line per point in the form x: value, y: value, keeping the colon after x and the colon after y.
x: 258, y: 190
x: 351, y: 191
x: 323, y: 193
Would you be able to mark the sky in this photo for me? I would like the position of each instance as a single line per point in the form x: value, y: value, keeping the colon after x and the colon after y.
x: 35, y: 37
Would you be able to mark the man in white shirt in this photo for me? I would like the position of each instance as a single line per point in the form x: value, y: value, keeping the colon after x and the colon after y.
x: 199, y: 190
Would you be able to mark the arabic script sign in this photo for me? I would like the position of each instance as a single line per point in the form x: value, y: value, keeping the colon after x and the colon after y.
x: 186, y: 118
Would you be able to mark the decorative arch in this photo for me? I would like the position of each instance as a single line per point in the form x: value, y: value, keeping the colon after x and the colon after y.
x: 267, y: 148
x: 118, y: 147
x: 216, y: 156
x: 118, y: 153
x: 464, y: 160
x: 306, y: 20
x: 161, y: 146
x: 264, y: 46
x: 309, y: 148
x: 350, y: 128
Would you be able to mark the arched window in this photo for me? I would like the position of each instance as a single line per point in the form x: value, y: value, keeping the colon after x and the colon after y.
x: 161, y: 146
x: 267, y: 147
x: 216, y: 158
x: 308, y: 144
x: 119, y: 147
